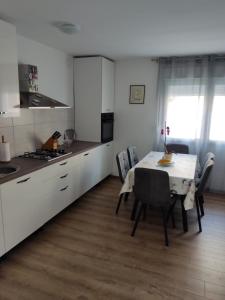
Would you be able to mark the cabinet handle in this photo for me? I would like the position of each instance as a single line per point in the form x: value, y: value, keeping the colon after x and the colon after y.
x: 63, y: 189
x: 64, y: 176
x: 86, y: 154
x: 63, y: 164
x: 23, y: 180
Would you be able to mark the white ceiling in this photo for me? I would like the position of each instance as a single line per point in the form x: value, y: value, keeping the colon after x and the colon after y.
x: 123, y: 28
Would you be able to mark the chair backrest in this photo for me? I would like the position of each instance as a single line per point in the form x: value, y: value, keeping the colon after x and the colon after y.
x: 208, y: 156
x: 122, y: 164
x: 151, y: 186
x: 205, y: 176
x: 177, y: 148
x: 132, y: 156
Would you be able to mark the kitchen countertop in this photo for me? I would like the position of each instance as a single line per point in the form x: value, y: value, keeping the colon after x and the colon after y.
x: 27, y: 165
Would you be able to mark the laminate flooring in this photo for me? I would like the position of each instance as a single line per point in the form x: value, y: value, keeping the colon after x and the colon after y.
x: 86, y: 252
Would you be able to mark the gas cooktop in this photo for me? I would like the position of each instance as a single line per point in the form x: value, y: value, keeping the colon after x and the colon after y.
x: 45, y: 154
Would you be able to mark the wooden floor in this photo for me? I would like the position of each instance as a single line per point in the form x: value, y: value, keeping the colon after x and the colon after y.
x: 87, y: 252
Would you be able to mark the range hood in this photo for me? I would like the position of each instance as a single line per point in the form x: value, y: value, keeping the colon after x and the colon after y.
x: 29, y: 95
x: 35, y: 100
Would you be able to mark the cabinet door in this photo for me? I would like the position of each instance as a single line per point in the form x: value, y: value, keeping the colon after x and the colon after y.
x: 106, y: 160
x: 59, y: 195
x: 23, y: 208
x: 90, y: 171
x: 107, y: 86
x: 65, y: 187
x: 2, y: 242
x: 87, y: 89
x: 75, y: 179
x: 9, y: 86
x: 58, y: 188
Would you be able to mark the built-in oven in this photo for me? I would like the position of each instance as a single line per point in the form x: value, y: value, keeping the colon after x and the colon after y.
x: 107, y: 120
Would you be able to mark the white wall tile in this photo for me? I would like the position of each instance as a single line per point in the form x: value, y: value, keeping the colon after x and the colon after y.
x: 60, y: 115
x: 24, y: 138
x: 70, y: 114
x: 5, y: 122
x: 26, y: 117
x: 44, y: 116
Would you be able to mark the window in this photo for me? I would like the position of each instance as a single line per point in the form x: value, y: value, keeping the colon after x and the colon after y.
x: 217, y: 132
x: 184, y: 111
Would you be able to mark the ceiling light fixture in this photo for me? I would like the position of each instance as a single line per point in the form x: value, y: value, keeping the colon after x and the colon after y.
x: 68, y: 28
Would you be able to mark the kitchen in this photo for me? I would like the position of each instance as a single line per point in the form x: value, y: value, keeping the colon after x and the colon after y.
x: 82, y: 85
x: 57, y: 170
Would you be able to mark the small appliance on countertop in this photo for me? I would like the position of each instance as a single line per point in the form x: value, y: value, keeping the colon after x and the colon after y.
x: 69, y: 136
x: 4, y: 151
x: 47, y: 155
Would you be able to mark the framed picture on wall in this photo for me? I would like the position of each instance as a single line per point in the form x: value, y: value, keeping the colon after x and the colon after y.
x: 137, y: 94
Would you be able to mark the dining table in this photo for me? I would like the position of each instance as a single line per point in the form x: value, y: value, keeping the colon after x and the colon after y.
x: 181, y: 171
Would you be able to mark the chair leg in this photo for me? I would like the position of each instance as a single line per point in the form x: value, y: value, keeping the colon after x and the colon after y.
x: 119, y: 202
x: 171, y: 213
x: 126, y: 197
x: 184, y: 216
x: 140, y: 208
x: 198, y: 214
x: 134, y: 209
x: 165, y: 218
x: 173, y: 220
x: 201, y: 205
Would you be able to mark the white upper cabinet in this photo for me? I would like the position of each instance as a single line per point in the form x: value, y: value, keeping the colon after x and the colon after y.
x: 107, y: 86
x: 9, y: 84
x: 94, y: 94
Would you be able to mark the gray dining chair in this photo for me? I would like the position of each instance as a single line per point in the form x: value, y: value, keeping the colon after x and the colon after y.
x: 207, y: 157
x: 123, y: 168
x: 202, y: 183
x: 132, y: 156
x: 152, y: 189
x: 177, y: 148
x: 200, y: 166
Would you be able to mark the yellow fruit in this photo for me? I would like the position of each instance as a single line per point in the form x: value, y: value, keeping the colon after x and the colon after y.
x: 164, y: 161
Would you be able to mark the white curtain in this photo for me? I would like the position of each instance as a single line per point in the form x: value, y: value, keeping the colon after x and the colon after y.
x: 191, y: 99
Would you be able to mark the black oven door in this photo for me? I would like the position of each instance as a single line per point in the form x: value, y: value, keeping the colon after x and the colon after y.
x: 107, y: 127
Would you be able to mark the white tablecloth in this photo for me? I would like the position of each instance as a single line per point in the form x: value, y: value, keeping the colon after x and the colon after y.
x: 181, y: 174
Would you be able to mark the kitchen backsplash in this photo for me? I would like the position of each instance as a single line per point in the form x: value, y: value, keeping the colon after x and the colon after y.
x: 34, y: 127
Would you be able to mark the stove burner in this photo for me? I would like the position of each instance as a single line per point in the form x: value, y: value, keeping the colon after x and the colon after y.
x: 46, y: 155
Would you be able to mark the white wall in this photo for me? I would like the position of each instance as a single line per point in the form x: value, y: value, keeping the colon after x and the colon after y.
x: 134, y: 123
x: 55, y: 68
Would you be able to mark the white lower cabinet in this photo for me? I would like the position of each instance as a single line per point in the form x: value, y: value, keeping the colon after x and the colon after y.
x: 23, y: 208
x: 75, y: 178
x: 31, y: 200
x: 106, y: 159
x: 89, y: 169
x: 96, y: 164
x: 2, y: 242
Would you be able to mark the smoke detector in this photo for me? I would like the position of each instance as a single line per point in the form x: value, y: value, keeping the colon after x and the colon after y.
x: 68, y: 28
